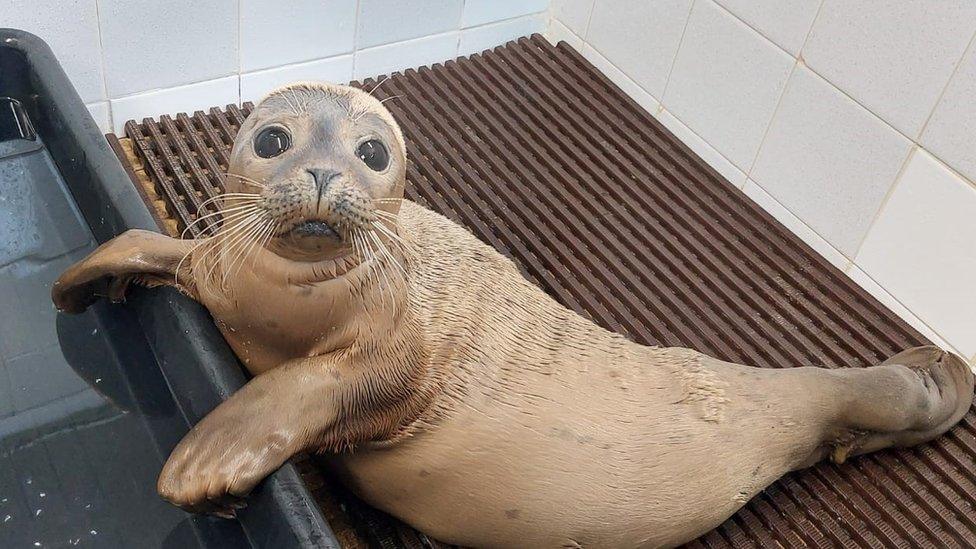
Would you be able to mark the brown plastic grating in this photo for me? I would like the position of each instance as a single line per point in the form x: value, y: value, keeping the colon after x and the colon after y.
x: 540, y: 155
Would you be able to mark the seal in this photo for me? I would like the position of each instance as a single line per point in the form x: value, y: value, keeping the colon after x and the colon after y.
x: 447, y: 390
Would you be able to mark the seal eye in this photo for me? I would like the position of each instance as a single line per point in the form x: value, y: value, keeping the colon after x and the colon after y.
x: 271, y: 142
x: 374, y: 154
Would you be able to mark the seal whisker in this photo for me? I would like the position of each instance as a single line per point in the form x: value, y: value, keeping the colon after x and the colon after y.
x: 377, y: 264
x: 176, y: 275
x: 223, y: 196
x: 359, y: 245
x: 228, y: 202
x: 225, y: 240
x: 229, y: 213
x: 392, y: 237
x: 267, y: 238
x: 369, y: 260
x: 256, y: 236
x: 389, y: 256
x: 377, y: 86
x: 228, y: 234
x: 235, y: 217
x: 298, y: 101
x: 261, y: 184
x: 243, y: 246
x: 292, y: 106
x: 212, y: 240
x: 214, y: 207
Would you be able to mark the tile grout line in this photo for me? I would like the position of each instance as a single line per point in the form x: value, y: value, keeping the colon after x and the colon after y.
x: 240, y: 56
x: 171, y: 88
x: 298, y: 64
x: 460, y: 27
x: 906, y: 307
x: 772, y: 117
x: 589, y: 20
x: 806, y: 38
x: 355, y: 39
x: 674, y: 59
x: 101, y: 59
x: 875, y: 115
x: 497, y: 22
x: 797, y: 60
x: 952, y: 75
x: 912, y: 151
x: 761, y: 33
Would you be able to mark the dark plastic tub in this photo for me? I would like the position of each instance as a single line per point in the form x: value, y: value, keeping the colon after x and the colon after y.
x: 91, y: 405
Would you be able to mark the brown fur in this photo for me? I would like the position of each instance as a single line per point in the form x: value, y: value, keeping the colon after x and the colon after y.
x: 464, y: 400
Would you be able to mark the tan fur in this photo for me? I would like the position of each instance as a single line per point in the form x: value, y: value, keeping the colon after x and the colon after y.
x: 464, y: 400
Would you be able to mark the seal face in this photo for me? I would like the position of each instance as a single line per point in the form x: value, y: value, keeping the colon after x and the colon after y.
x: 451, y: 392
x: 314, y: 170
x: 310, y: 226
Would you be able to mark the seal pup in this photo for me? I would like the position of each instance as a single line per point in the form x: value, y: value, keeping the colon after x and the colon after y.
x: 446, y: 389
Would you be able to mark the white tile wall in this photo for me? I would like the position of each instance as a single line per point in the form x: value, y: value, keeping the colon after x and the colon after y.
x: 254, y: 85
x: 922, y: 249
x: 785, y: 22
x: 558, y: 32
x: 618, y: 77
x: 640, y: 36
x: 277, y: 33
x: 574, y: 14
x: 814, y: 108
x: 951, y: 128
x: 412, y: 53
x: 221, y: 91
x: 150, y: 45
x: 829, y: 160
x: 386, y: 21
x: 70, y: 28
x: 481, y: 38
x: 726, y: 82
x: 893, y: 56
x: 481, y: 12
x: 136, y: 58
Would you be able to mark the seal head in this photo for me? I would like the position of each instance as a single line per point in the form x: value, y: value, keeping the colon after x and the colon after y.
x: 322, y: 165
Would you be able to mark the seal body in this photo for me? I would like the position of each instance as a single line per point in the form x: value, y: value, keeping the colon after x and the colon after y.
x: 446, y: 389
x: 544, y: 429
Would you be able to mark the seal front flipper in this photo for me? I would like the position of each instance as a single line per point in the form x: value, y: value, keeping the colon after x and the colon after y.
x: 278, y: 414
x: 145, y: 257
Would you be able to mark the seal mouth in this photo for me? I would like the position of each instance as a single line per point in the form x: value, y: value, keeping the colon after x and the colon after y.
x: 315, y: 228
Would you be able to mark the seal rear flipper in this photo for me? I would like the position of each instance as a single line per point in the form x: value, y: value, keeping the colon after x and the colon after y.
x: 911, y: 398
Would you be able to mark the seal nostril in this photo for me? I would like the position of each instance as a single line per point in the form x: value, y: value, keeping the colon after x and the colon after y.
x: 322, y: 178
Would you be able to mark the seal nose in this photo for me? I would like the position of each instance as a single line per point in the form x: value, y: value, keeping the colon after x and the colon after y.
x: 322, y: 178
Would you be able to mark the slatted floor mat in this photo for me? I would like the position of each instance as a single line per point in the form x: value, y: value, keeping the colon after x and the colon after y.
x: 540, y: 155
